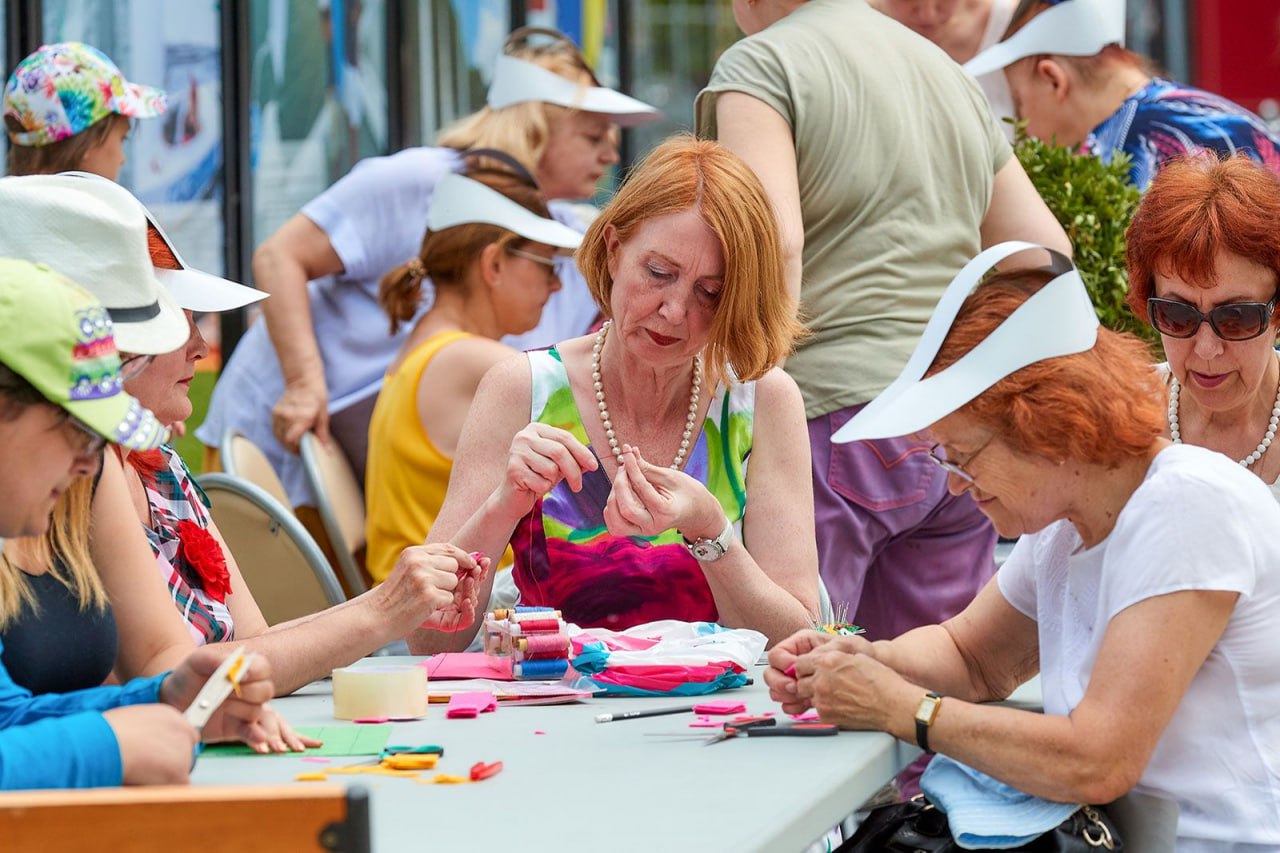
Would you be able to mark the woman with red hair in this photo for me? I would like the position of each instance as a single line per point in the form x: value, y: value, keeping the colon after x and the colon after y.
x: 1142, y: 590
x: 1204, y: 256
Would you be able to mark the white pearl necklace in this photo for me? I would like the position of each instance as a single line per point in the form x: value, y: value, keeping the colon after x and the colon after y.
x: 695, y: 395
x: 1257, y: 452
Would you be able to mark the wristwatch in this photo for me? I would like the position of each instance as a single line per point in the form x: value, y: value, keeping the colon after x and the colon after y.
x: 926, y: 713
x: 710, y: 550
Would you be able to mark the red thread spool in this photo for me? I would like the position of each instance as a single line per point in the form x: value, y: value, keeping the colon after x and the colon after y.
x: 531, y: 626
x: 537, y: 646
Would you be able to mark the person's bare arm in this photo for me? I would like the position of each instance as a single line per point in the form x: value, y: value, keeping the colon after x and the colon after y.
x: 297, y: 253
x: 1017, y: 212
x: 755, y: 131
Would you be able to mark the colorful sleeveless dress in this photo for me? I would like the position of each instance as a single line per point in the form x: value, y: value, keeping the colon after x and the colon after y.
x: 566, y: 558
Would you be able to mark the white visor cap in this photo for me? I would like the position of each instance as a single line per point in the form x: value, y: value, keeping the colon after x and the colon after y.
x: 1059, y: 319
x: 458, y: 200
x: 516, y: 81
x: 1072, y: 28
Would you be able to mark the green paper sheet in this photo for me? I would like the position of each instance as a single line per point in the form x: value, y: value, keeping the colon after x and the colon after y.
x: 338, y: 740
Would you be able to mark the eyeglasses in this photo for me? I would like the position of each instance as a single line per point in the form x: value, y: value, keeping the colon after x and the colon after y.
x: 935, y: 453
x: 1235, y: 321
x: 87, y: 442
x: 133, y: 366
x: 548, y: 263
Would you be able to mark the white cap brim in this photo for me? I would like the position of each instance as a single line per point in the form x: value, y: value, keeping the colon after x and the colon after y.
x: 1072, y: 28
x: 516, y: 81
x: 1057, y: 320
x: 458, y: 200
x: 194, y: 290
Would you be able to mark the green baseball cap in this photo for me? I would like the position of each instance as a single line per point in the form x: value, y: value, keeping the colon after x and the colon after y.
x: 58, y: 337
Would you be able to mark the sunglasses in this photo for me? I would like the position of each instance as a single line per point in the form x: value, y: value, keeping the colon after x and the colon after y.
x: 1235, y: 321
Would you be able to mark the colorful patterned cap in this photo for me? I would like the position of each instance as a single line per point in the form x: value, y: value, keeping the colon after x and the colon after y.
x: 64, y: 88
x: 58, y: 337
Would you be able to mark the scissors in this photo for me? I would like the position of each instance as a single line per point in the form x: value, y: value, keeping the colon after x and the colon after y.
x: 219, y: 686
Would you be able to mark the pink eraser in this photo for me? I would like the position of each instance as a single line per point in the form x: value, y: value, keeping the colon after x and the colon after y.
x: 724, y: 706
x: 466, y: 705
x: 371, y: 720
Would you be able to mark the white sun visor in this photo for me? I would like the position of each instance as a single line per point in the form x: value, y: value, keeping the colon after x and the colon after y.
x: 458, y: 200
x: 1057, y: 320
x: 1072, y: 28
x: 516, y: 81
x: 198, y: 291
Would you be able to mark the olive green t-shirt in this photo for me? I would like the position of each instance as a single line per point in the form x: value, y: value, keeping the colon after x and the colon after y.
x: 896, y: 154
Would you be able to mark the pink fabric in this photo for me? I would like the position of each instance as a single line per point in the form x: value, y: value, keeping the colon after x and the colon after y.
x: 468, y: 665
x: 467, y: 705
x: 723, y: 706
x: 664, y: 678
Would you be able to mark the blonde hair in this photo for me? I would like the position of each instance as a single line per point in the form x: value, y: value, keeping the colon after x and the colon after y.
x: 755, y: 323
x: 522, y: 130
x: 63, y: 549
x: 448, y: 254
x: 63, y: 155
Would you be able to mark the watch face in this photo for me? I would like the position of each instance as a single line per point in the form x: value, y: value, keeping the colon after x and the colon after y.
x: 706, y: 550
x: 927, y: 710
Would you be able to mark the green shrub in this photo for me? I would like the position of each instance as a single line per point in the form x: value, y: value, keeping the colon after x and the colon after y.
x: 1094, y: 201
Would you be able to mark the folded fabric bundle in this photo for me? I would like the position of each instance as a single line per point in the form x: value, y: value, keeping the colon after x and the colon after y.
x: 984, y: 813
x: 667, y: 658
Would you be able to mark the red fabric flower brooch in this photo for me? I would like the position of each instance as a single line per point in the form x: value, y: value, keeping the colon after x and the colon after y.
x: 204, y: 554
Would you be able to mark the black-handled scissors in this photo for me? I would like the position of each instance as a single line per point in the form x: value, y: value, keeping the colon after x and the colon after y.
x: 768, y: 727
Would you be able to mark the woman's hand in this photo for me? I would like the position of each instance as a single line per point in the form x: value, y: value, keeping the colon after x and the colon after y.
x: 849, y: 688
x: 646, y: 500
x: 443, y: 578
x: 303, y: 406
x: 274, y: 734
x: 237, y: 717
x: 540, y: 457
x: 781, y: 674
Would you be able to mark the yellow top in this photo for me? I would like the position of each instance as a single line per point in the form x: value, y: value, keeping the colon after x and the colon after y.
x: 406, y: 475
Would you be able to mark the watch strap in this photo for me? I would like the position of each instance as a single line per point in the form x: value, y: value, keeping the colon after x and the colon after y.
x: 722, y: 541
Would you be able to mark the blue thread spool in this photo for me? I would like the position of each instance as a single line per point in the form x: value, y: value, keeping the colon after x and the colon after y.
x: 540, y: 669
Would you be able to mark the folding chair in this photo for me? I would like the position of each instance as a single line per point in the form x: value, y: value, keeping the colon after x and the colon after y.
x: 181, y: 817
x: 284, y: 568
x: 242, y: 458
x: 340, y: 501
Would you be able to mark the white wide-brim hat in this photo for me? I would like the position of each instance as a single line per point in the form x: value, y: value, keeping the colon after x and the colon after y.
x: 1071, y: 28
x: 458, y: 200
x: 1059, y: 319
x: 94, y: 232
x: 516, y: 81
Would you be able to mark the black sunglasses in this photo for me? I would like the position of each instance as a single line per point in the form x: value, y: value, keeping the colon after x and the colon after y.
x: 1235, y: 321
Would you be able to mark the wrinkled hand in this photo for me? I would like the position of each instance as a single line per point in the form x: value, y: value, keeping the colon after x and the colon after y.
x: 540, y: 457
x: 238, y: 716
x: 646, y: 500
x: 303, y: 406
x: 278, y: 736
x: 781, y: 678
x: 444, y: 580
x: 851, y: 689
x: 156, y: 743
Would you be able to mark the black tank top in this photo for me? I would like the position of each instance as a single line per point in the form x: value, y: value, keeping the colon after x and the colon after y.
x: 59, y: 648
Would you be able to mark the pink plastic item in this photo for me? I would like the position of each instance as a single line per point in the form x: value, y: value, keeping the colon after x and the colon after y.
x: 723, y: 706
x: 808, y: 716
x: 467, y: 705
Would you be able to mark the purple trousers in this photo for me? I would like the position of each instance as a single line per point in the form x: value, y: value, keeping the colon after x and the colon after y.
x: 893, y: 544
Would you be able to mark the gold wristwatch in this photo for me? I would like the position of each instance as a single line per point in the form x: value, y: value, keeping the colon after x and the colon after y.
x: 926, y: 713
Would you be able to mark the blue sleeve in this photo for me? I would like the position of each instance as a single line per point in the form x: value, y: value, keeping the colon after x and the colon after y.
x: 78, y: 751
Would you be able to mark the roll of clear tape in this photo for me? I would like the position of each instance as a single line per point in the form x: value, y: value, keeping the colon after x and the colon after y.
x: 371, y: 692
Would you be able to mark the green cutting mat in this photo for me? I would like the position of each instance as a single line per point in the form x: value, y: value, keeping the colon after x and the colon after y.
x: 338, y: 740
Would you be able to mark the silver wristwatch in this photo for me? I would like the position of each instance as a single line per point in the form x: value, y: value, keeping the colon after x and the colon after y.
x: 710, y: 550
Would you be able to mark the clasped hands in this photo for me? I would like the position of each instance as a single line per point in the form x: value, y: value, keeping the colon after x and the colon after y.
x: 645, y: 500
x: 839, y: 676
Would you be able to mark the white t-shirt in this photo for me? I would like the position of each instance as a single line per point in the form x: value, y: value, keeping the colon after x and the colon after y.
x: 994, y: 85
x: 1198, y: 521
x: 375, y: 218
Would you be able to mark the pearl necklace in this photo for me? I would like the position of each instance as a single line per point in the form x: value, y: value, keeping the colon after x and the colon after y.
x: 1262, y: 445
x: 694, y: 396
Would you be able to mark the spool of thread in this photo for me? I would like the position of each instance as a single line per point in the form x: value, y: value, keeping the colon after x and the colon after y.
x: 534, y: 613
x: 509, y: 612
x: 545, y: 669
x: 542, y: 646
x: 534, y: 626
x: 392, y: 692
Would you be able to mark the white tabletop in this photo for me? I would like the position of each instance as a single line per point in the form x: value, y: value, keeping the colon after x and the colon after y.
x: 583, y: 785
